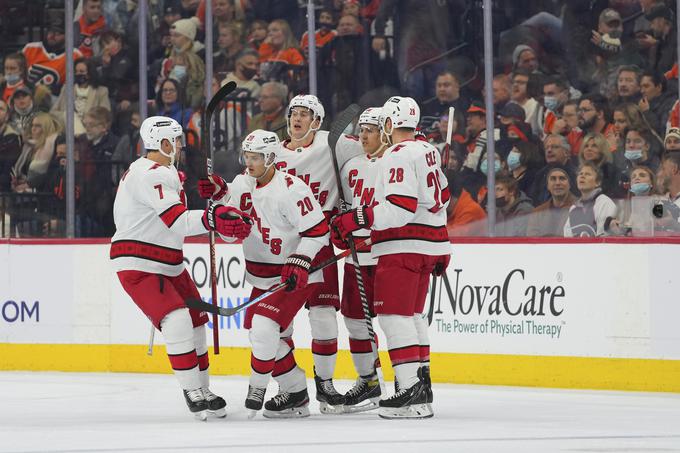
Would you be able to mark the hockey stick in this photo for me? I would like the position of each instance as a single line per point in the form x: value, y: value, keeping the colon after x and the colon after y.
x: 337, y: 128
x: 222, y: 93
x: 151, y: 335
x: 198, y: 304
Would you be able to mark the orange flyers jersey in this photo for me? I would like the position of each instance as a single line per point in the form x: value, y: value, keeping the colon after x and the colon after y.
x: 320, y: 39
x: 46, y: 68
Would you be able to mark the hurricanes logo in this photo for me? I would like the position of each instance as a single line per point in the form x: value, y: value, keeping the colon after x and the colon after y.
x: 43, y: 75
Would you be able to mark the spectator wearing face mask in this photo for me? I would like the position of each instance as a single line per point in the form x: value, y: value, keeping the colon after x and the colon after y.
x: 555, y: 96
x: 88, y: 94
x: 245, y: 72
x: 524, y: 161
x: 512, y: 208
x: 16, y: 76
x: 185, y: 64
x: 22, y: 110
x: 637, y: 215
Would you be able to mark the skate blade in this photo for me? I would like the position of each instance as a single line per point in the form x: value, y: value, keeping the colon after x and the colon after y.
x: 219, y: 413
x: 364, y: 406
x: 326, y: 408
x: 201, y: 415
x: 251, y: 413
x: 295, y: 412
x: 414, y: 411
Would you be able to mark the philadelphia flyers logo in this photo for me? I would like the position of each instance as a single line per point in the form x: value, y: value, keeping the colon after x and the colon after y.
x: 43, y: 75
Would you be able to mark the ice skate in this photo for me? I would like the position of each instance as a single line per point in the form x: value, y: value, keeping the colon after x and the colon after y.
x: 254, y: 400
x: 406, y: 403
x: 288, y: 405
x: 216, y: 404
x: 197, y: 403
x: 424, y: 375
x: 330, y: 401
x: 364, y: 396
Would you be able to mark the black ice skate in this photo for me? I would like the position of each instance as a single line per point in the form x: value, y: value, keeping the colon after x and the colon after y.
x: 254, y: 400
x: 216, y: 404
x: 406, y: 403
x: 330, y: 401
x: 197, y: 403
x: 364, y: 396
x: 288, y: 405
x: 424, y: 375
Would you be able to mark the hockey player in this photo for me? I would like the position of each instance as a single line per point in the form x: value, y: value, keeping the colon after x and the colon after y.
x: 359, y: 176
x: 152, y: 221
x: 307, y: 156
x: 290, y: 231
x: 408, y: 228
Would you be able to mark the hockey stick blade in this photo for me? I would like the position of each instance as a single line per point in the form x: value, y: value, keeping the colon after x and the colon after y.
x: 340, y: 124
x: 198, y: 304
x: 222, y: 93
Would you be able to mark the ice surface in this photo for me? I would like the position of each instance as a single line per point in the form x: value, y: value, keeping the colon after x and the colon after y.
x: 91, y: 412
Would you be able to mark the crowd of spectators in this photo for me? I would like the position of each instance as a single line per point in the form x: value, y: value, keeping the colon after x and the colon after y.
x: 587, y: 128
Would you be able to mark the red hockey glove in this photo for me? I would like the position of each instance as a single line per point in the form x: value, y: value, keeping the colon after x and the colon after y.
x: 296, y: 272
x: 353, y: 220
x: 336, y: 240
x: 213, y: 187
x: 227, y: 221
x: 441, y: 265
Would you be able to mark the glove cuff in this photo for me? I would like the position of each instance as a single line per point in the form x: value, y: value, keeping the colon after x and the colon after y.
x: 363, y: 216
x: 300, y: 261
x: 210, y: 216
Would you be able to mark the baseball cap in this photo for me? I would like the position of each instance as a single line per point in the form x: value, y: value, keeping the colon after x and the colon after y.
x: 610, y: 15
x: 23, y: 90
x: 513, y: 110
x: 660, y: 10
x: 476, y: 109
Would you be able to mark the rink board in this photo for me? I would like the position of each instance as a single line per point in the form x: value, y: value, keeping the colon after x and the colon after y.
x: 551, y: 314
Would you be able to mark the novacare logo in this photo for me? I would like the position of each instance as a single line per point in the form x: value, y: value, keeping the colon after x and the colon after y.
x: 501, y: 299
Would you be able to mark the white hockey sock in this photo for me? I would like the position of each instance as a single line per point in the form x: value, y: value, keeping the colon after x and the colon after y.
x: 201, y: 346
x: 178, y: 333
x: 324, y: 323
x: 264, y: 341
x: 289, y: 376
x: 403, y: 346
x: 420, y: 321
x: 360, y: 346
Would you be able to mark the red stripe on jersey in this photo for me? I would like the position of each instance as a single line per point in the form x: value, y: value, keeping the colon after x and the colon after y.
x: 186, y: 361
x: 415, y: 231
x: 261, y: 366
x: 146, y: 251
x: 446, y: 195
x: 203, y: 361
x: 359, y: 346
x: 325, y: 347
x: 425, y: 353
x: 402, y: 201
x: 316, y: 231
x: 284, y: 365
x: 407, y: 354
x: 289, y: 341
x: 263, y: 270
x: 170, y: 215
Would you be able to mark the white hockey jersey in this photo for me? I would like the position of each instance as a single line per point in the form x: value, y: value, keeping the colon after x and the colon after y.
x: 288, y: 220
x: 412, y: 194
x: 314, y: 165
x: 359, y: 176
x: 152, y: 220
